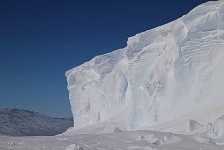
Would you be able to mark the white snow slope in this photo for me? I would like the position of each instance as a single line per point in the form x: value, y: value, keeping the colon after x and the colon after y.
x: 169, y: 75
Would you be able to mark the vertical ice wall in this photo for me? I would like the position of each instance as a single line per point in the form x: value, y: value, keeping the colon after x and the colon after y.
x: 162, y: 74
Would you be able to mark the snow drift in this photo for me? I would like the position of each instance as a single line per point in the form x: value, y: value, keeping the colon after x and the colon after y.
x: 163, y: 74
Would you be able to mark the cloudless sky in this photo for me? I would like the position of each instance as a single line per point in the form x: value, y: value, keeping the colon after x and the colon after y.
x: 41, y: 39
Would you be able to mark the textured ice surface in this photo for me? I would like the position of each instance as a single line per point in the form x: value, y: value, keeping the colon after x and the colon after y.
x: 216, y: 131
x: 163, y: 74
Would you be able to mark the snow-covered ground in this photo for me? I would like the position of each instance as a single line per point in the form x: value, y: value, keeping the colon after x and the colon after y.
x: 164, y: 91
x: 210, y: 139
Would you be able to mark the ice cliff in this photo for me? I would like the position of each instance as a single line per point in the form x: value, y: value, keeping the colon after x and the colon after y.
x: 162, y: 74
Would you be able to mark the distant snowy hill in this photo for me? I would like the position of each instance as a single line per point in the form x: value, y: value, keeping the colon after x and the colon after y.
x: 18, y: 122
x: 164, y: 77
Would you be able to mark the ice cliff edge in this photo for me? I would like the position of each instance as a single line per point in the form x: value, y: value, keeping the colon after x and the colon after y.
x: 164, y: 73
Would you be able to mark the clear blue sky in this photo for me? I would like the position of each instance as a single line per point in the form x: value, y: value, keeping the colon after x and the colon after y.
x: 41, y: 39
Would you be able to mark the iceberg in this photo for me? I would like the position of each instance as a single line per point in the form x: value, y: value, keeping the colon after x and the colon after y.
x: 162, y: 74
